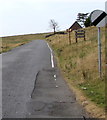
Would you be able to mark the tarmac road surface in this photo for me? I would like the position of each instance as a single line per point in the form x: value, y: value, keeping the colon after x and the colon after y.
x: 32, y: 86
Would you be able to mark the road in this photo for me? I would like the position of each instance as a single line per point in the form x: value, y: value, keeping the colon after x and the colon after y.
x: 32, y: 86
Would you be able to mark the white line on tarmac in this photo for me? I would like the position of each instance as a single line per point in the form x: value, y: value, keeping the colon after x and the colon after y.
x: 52, y: 61
x: 54, y: 76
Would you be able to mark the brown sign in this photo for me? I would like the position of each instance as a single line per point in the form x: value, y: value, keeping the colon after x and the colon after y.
x: 79, y: 34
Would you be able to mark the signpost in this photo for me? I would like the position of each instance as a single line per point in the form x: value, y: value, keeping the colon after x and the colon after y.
x: 98, y: 19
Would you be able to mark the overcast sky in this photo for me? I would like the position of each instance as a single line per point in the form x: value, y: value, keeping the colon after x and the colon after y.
x: 33, y: 16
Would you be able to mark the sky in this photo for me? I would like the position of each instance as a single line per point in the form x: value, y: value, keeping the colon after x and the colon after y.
x: 33, y: 16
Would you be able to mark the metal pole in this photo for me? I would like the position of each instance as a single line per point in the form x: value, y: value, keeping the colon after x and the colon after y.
x: 99, y: 50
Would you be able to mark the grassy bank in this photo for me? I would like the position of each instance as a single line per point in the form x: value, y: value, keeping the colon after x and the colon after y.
x: 10, y: 42
x: 79, y: 63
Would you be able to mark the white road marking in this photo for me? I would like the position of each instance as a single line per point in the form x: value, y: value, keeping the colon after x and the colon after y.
x: 54, y: 76
x: 52, y: 61
x: 55, y: 79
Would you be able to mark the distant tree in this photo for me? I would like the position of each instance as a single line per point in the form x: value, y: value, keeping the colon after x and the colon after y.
x: 53, y: 25
x: 81, y: 18
x: 88, y: 22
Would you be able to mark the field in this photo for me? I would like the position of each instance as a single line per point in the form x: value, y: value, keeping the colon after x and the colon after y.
x: 8, y: 43
x: 79, y: 65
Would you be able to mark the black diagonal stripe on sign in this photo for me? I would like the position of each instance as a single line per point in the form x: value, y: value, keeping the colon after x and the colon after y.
x: 99, y: 18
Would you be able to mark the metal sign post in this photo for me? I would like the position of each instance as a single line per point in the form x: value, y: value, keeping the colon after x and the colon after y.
x: 98, y: 19
x: 99, y: 50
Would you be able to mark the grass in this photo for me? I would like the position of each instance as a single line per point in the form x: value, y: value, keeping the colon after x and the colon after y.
x: 10, y: 42
x: 79, y: 63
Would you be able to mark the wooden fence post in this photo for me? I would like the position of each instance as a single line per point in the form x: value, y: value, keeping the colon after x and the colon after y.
x: 69, y: 37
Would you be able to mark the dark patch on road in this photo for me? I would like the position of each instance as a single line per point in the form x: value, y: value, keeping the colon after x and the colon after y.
x: 35, y: 83
x: 50, y: 101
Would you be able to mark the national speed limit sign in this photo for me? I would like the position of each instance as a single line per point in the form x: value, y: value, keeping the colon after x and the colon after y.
x: 98, y: 18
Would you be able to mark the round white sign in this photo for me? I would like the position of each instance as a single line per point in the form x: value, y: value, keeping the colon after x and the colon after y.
x: 98, y: 18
